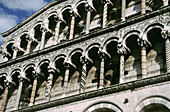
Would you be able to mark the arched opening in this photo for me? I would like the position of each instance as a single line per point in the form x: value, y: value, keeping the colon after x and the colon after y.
x: 155, y: 108
x: 156, y: 53
x: 133, y: 59
x: 57, y: 89
x: 23, y: 45
x: 92, y: 80
x: 114, y: 12
x: 112, y: 64
x: 10, y: 51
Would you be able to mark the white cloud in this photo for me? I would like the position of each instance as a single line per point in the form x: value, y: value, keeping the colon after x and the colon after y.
x: 6, y: 22
x: 27, y: 5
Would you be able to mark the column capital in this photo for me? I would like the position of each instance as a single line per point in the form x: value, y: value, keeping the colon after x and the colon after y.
x: 84, y: 60
x: 122, y: 48
x: 107, y: 2
x: 35, y: 74
x: 28, y: 38
x: 165, y: 34
x: 67, y: 64
x: 20, y: 78
x: 15, y: 47
x: 73, y: 13
x: 88, y: 7
x: 143, y: 42
x: 101, y: 53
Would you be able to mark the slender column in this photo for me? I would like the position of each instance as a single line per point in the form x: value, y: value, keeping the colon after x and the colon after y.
x: 101, y: 80
x: 43, y: 30
x: 89, y: 10
x: 2, y: 56
x: 143, y: 62
x: 19, y: 92
x: 73, y: 16
x: 48, y: 88
x: 4, y: 99
x: 143, y: 7
x: 34, y: 88
x: 57, y: 31
x: 83, y: 60
x: 67, y: 65
x: 29, y: 40
x: 123, y: 10
x: 15, y: 50
x: 166, y: 35
x: 104, y: 14
x: 165, y: 2
x: 122, y: 66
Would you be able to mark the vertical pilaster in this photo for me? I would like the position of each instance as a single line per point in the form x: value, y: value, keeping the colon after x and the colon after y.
x: 29, y: 40
x: 143, y: 7
x: 57, y: 31
x: 67, y: 71
x: 73, y: 16
x: 123, y: 10
x: 43, y: 30
x: 33, y: 88
x: 19, y: 92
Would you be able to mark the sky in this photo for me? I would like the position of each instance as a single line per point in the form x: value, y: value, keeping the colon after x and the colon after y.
x: 12, y: 12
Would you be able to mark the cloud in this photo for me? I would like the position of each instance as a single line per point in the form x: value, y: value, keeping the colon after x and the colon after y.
x: 6, y: 22
x: 27, y: 5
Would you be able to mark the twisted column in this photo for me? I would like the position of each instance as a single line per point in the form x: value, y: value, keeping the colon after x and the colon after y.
x: 33, y: 93
x: 29, y: 40
x: 123, y: 10
x: 4, y: 99
x: 73, y: 16
x: 18, y: 97
x: 67, y: 72
x: 57, y: 31
x: 43, y: 30
x: 89, y: 9
x: 143, y: 7
x: 166, y: 35
x: 102, y: 56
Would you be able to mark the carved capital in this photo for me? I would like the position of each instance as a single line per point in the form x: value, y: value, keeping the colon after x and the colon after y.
x: 20, y: 78
x: 165, y: 34
x: 66, y: 64
x: 107, y: 2
x: 144, y: 42
x: 28, y: 38
x: 15, y: 48
x: 72, y: 13
x: 84, y: 60
x: 101, y: 53
x: 122, y: 48
x: 35, y: 74
x: 88, y: 7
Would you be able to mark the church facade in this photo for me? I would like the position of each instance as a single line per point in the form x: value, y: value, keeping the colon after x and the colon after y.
x: 88, y: 56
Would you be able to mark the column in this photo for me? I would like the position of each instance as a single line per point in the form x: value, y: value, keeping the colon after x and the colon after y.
x: 88, y: 18
x: 57, y: 31
x: 83, y: 60
x: 143, y: 62
x: 2, y: 56
x: 73, y: 16
x: 102, y: 56
x: 4, y: 99
x: 166, y: 35
x: 43, y: 30
x: 67, y: 72
x: 34, y: 88
x: 143, y: 7
x: 29, y: 40
x: 123, y: 10
x: 122, y: 66
x: 19, y: 92
x: 105, y: 10
x: 15, y: 50
x: 48, y: 88
x: 165, y: 2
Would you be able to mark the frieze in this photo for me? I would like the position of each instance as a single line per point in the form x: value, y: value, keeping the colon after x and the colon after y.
x: 101, y: 92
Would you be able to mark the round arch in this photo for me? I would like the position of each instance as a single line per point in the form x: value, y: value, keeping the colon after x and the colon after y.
x: 152, y: 100
x: 106, y: 106
x: 75, y: 51
x: 127, y: 35
x: 115, y: 39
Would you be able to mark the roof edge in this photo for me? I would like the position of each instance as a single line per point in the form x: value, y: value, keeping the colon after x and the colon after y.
x: 31, y: 17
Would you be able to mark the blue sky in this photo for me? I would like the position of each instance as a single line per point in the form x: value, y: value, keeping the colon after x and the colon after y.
x: 13, y: 12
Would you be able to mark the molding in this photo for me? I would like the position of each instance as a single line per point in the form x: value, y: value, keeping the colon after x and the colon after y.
x: 100, y: 92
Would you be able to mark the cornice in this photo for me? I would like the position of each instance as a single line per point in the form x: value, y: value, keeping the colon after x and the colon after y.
x: 49, y: 5
x: 88, y: 36
x: 100, y: 92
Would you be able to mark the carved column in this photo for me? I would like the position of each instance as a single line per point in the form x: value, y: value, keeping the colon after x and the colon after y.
x: 165, y: 2
x: 67, y: 72
x: 123, y: 10
x: 122, y: 49
x: 105, y: 11
x: 48, y: 88
x: 15, y: 50
x: 19, y: 92
x: 33, y: 93
x: 166, y: 35
x: 83, y: 60
x: 102, y: 57
x: 29, y: 40
x: 5, y: 95
x: 43, y: 30
x: 73, y: 16
x: 57, y: 31
x: 89, y: 10
x: 143, y: 7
